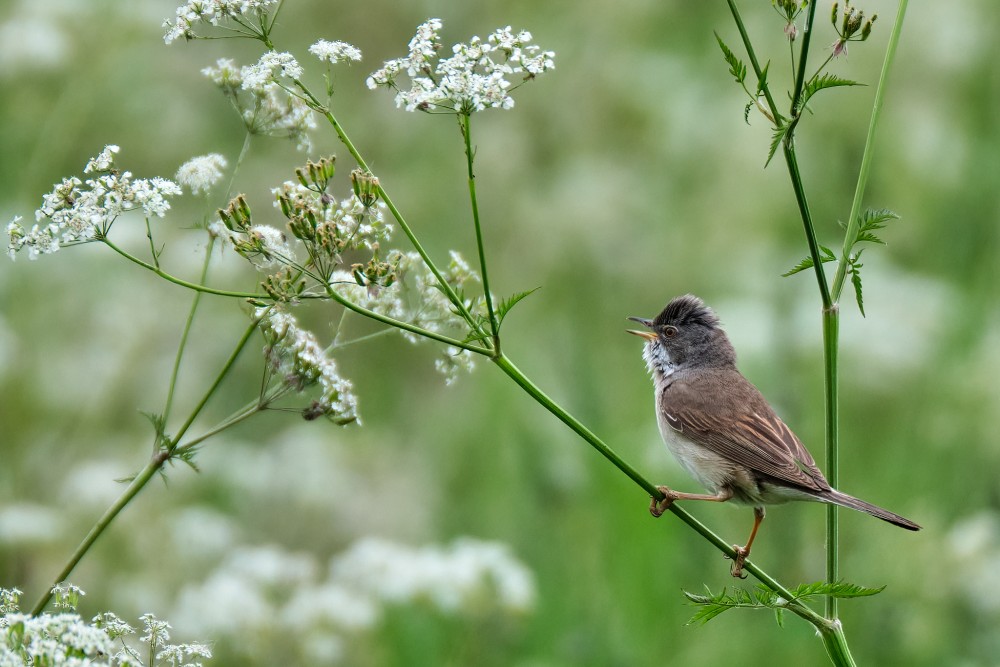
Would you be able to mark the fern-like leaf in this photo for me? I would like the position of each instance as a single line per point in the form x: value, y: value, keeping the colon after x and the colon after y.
x: 807, y: 262
x: 837, y: 589
x: 855, y: 270
x: 779, y: 134
x: 822, y: 83
x: 510, y: 302
x: 736, y: 66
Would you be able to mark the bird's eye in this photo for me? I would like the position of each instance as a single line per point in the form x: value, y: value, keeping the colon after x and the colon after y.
x: 669, y: 331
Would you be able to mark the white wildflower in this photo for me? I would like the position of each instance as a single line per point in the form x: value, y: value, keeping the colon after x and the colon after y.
x: 202, y: 172
x: 298, y: 359
x: 335, y: 52
x: 276, y: 113
x: 477, y: 76
x: 213, y: 12
x: 225, y: 74
x: 268, y: 69
x: 104, y: 160
x: 78, y: 212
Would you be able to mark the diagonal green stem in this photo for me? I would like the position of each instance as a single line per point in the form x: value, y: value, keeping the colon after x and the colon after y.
x: 160, y: 457
x: 866, y: 159
x: 800, y: 77
x: 465, y: 122
x: 187, y: 330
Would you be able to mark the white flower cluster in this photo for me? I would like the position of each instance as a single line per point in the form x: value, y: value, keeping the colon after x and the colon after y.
x: 66, y: 639
x: 268, y: 69
x: 212, y: 12
x: 300, y: 362
x: 265, y: 107
x: 266, y: 587
x: 202, y: 172
x: 355, y: 224
x: 476, y: 76
x: 335, y: 52
x: 76, y: 214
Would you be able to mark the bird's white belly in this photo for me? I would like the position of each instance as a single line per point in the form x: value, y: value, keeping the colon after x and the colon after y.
x: 713, y: 471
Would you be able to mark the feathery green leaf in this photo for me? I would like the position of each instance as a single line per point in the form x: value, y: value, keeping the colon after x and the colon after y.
x: 807, y: 262
x: 510, y: 302
x: 820, y: 83
x: 736, y: 66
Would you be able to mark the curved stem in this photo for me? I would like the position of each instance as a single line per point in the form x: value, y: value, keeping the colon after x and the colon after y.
x: 464, y: 121
x: 866, y: 159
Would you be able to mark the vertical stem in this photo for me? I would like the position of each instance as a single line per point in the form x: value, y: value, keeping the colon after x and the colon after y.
x: 831, y: 334
x: 807, y: 222
x: 800, y: 78
x: 866, y: 158
x: 836, y: 646
x: 464, y: 121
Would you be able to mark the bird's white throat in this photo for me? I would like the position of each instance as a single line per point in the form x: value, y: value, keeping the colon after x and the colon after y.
x: 657, y: 360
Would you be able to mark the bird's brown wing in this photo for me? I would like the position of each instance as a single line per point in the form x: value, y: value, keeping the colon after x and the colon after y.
x: 743, y: 429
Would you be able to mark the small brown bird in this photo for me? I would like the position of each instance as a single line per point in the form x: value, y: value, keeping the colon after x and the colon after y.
x: 721, y: 429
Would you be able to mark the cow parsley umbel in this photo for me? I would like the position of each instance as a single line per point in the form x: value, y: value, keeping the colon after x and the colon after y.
x: 478, y: 75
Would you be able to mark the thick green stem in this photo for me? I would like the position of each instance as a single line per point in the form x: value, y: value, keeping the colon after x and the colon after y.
x: 835, y: 643
x: 866, y: 159
x: 831, y: 334
x: 465, y: 122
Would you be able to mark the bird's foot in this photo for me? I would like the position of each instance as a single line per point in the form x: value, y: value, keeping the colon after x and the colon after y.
x: 741, y: 557
x: 658, y: 507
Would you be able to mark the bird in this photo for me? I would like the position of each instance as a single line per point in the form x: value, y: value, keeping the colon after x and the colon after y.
x: 722, y: 430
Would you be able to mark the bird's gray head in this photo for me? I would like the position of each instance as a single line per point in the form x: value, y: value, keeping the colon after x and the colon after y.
x: 685, y: 334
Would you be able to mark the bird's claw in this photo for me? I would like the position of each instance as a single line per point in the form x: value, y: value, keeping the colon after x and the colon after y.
x: 658, y: 507
x: 741, y: 557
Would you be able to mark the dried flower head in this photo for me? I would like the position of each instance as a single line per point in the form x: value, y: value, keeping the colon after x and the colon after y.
x: 202, y: 172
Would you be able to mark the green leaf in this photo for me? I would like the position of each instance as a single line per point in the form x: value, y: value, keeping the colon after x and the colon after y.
x: 779, y: 134
x: 821, y: 83
x: 746, y: 112
x: 807, y: 262
x: 869, y: 238
x: 510, y: 302
x: 736, y: 66
x: 762, y: 81
x: 837, y: 589
x: 855, y: 269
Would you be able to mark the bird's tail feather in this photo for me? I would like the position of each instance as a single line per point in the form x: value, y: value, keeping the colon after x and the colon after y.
x: 844, y: 500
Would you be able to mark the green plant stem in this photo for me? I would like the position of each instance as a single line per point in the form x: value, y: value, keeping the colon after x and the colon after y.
x: 806, y: 216
x: 95, y: 532
x: 832, y: 634
x: 244, y: 339
x: 346, y: 140
x: 187, y: 330
x: 160, y: 456
x: 866, y: 159
x: 800, y: 77
x: 753, y: 58
x: 465, y: 122
x: 831, y: 345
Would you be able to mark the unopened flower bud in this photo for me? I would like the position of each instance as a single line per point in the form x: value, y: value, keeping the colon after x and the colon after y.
x: 833, y: 14
x: 226, y: 220
x: 365, y: 187
x: 301, y: 175
x: 867, y: 30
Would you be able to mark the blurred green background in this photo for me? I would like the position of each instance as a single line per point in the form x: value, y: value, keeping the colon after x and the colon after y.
x: 623, y: 178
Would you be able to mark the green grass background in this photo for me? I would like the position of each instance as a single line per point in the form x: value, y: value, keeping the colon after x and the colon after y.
x: 623, y: 178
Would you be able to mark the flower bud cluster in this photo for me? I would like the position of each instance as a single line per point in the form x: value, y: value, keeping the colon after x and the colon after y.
x: 264, y: 246
x: 79, y: 211
x: 789, y: 10
x: 477, y: 76
x: 851, y: 26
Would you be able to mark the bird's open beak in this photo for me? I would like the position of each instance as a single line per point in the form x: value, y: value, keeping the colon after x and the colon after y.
x: 648, y: 335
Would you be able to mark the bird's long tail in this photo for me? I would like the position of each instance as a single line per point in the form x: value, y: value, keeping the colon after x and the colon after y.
x: 844, y: 500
